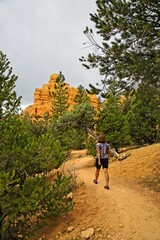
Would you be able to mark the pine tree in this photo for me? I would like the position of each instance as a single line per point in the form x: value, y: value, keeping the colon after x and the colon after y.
x: 9, y: 102
x: 130, y: 51
x: 26, y: 150
x: 144, y: 115
x: 113, y: 123
x: 72, y: 126
x: 24, y: 192
x: 81, y: 96
x: 60, y: 96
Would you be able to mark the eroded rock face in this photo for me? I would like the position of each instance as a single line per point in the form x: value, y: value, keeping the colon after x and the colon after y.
x: 43, y: 99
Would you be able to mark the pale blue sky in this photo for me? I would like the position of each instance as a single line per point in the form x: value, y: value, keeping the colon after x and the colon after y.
x: 41, y: 37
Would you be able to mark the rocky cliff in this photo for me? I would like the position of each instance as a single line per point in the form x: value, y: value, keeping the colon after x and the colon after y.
x: 43, y: 99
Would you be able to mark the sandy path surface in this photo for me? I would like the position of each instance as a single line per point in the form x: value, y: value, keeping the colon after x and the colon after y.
x: 124, y: 208
x: 131, y: 214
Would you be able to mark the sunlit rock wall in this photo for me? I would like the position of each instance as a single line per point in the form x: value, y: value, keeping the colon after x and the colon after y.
x: 43, y: 99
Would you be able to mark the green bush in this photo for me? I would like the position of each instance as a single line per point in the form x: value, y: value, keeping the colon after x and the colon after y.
x: 23, y: 193
x: 91, y: 146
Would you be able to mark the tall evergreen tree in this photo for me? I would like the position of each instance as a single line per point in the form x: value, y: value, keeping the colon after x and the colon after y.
x: 9, y: 102
x: 72, y: 126
x: 130, y: 42
x: 60, y: 96
x: 144, y: 115
x: 113, y: 123
x: 81, y: 96
x: 25, y: 151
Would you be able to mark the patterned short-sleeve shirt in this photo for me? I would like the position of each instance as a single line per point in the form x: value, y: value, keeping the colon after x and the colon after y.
x: 104, y: 148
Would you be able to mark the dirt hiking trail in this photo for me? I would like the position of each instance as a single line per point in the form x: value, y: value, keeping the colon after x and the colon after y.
x: 126, y: 211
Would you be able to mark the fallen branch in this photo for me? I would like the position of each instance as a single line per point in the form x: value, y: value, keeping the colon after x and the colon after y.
x: 124, y: 156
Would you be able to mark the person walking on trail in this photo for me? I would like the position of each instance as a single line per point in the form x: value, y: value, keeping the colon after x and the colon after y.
x: 102, y: 156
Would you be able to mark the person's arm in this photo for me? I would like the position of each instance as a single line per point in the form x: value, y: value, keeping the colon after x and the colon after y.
x: 99, y: 156
x: 109, y: 152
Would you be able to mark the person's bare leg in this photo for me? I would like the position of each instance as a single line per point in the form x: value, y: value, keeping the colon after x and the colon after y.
x: 106, y: 176
x: 96, y: 174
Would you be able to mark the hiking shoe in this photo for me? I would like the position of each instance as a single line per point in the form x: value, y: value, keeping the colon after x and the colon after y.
x: 95, y: 181
x: 106, y: 187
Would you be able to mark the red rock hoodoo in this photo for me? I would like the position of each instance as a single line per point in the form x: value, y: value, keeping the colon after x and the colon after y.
x: 43, y: 99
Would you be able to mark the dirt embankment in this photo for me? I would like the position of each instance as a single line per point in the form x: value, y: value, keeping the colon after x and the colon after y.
x: 142, y: 167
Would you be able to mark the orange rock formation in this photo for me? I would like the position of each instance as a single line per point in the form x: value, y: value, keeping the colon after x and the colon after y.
x: 43, y: 99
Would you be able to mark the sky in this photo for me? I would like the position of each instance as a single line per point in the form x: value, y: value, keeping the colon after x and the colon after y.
x: 42, y: 37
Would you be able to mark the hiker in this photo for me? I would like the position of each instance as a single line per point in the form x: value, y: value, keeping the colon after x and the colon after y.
x: 102, y: 156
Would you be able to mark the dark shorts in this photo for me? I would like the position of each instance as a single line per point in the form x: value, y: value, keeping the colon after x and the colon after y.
x: 104, y: 163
